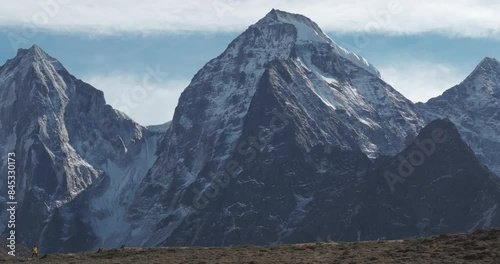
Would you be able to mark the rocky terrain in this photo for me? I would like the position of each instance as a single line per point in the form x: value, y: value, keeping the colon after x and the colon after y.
x: 474, y: 107
x: 283, y: 138
x: 481, y: 246
x: 77, y: 157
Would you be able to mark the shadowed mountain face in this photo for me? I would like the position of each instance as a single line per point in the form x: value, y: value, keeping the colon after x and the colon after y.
x: 436, y: 185
x: 262, y: 195
x: 272, y: 142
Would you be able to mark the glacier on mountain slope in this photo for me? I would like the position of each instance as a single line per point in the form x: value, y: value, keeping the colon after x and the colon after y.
x: 109, y: 219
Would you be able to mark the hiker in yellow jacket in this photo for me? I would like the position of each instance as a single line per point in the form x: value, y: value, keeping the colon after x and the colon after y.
x: 34, y: 252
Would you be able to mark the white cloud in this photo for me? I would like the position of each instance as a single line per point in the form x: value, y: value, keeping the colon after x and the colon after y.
x: 421, y: 80
x: 148, y: 103
x: 473, y: 18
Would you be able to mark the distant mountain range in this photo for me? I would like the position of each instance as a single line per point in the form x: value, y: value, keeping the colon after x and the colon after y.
x: 285, y: 137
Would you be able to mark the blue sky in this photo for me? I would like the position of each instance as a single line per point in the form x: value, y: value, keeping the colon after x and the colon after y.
x: 420, y: 50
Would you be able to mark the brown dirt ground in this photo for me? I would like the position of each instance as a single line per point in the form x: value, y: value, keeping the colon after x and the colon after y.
x: 482, y: 246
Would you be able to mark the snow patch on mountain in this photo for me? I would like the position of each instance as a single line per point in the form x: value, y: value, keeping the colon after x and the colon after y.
x: 110, y: 208
x: 309, y: 31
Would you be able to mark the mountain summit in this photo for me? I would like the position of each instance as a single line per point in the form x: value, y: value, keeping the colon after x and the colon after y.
x: 283, y: 72
x: 489, y: 65
x: 474, y: 106
x: 76, y: 154
x: 34, y: 52
x: 307, y: 31
x: 35, y: 60
x: 486, y: 77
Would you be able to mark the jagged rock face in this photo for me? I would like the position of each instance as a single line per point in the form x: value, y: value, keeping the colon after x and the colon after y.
x: 436, y: 185
x: 272, y: 142
x: 261, y: 195
x: 66, y: 140
x: 474, y: 106
x: 332, y: 99
x: 33, y: 95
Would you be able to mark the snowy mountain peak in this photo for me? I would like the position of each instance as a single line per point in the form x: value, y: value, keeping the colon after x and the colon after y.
x: 33, y: 58
x: 69, y: 139
x: 488, y: 66
x: 490, y: 60
x: 307, y: 31
x: 485, y: 77
x: 35, y: 52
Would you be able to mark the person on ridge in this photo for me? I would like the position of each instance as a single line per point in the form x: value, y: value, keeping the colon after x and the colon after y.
x: 34, y: 252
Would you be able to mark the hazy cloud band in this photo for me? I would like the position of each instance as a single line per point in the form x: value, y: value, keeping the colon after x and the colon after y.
x: 476, y: 18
